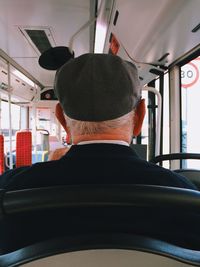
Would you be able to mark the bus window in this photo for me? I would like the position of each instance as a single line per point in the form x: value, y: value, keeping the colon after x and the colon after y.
x: 190, y: 95
x: 24, y: 118
x: 15, y: 114
x: 43, y: 118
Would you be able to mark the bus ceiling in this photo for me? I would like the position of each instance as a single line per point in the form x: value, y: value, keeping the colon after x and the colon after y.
x: 151, y: 33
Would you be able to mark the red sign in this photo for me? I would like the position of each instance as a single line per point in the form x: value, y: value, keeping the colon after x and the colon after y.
x: 190, y: 74
x: 114, y: 45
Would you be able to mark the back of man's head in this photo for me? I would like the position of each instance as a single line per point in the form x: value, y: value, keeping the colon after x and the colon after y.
x: 98, y: 93
x: 97, y: 87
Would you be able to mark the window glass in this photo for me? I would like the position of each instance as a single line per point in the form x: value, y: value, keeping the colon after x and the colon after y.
x: 43, y: 118
x: 190, y: 96
x: 15, y: 115
x: 24, y: 118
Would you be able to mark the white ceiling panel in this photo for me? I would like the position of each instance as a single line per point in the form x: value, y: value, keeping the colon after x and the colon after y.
x: 148, y: 29
x: 62, y: 17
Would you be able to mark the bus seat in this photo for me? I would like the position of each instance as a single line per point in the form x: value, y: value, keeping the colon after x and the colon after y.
x: 192, y: 174
x: 23, y: 148
x: 97, y: 221
x: 2, y: 162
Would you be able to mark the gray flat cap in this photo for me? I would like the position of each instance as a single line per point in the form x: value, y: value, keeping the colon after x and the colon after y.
x: 97, y: 87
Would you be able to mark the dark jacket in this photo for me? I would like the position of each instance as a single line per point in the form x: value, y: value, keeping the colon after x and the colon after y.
x: 93, y: 164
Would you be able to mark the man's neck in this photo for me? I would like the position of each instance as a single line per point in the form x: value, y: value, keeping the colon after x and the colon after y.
x: 94, y: 137
x: 118, y: 142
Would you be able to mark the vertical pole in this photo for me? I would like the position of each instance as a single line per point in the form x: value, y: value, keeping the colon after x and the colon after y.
x: 34, y: 130
x: 161, y: 87
x: 158, y: 119
x: 139, y: 139
x: 152, y: 121
x: 10, y: 118
x: 174, y: 82
x: 28, y: 118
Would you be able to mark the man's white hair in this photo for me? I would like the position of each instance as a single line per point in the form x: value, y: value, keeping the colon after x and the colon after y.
x: 87, y: 127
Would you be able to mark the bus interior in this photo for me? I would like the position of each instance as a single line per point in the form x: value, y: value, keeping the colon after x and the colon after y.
x: 162, y: 38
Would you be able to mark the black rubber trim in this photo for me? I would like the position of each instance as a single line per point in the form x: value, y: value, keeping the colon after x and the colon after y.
x: 101, y: 196
x: 116, y: 17
x: 175, y: 156
x: 163, y: 57
x: 196, y: 28
x: 103, y: 241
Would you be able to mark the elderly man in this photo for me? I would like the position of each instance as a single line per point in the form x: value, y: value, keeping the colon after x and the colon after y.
x: 101, y: 97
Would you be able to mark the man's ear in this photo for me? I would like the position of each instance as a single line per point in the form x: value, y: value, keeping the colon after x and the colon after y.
x: 139, y: 117
x: 61, y: 118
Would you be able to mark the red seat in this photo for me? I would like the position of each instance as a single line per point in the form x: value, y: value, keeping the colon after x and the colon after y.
x: 2, y: 163
x: 23, y: 148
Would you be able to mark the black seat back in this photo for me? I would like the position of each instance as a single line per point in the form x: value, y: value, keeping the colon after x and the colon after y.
x: 40, y: 216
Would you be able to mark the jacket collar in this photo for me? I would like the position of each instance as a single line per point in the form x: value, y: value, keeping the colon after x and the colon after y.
x: 102, y: 150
